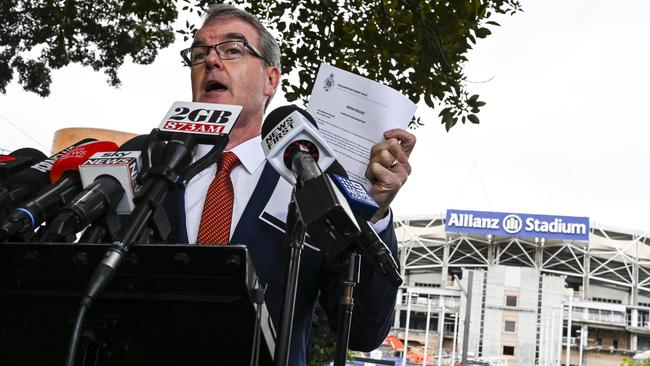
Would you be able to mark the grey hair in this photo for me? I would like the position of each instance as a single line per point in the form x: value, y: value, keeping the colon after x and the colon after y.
x: 269, y: 47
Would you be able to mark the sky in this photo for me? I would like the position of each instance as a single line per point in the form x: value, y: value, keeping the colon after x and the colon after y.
x: 563, y: 133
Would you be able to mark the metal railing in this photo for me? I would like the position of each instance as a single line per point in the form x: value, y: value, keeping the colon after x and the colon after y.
x: 450, y: 302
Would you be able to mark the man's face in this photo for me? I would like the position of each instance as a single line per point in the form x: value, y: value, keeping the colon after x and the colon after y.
x: 244, y: 81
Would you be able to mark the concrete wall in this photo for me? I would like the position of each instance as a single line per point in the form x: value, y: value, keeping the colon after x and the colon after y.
x: 475, y: 320
x: 605, y: 292
x: 607, y: 337
x: 553, y: 292
x: 427, y: 278
x: 514, y: 281
x: 594, y: 358
x: 523, y: 283
x: 532, y: 332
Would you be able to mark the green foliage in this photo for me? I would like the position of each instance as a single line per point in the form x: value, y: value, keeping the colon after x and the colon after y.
x: 37, y: 36
x: 322, y: 340
x: 417, y: 47
x: 630, y: 362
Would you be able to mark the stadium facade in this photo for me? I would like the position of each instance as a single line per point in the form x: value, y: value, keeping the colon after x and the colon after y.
x: 534, y: 300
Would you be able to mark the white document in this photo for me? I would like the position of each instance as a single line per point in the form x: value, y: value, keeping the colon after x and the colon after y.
x: 353, y: 112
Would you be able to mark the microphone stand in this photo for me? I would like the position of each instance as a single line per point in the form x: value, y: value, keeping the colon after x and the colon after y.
x: 148, y: 210
x: 349, y: 279
x: 95, y: 233
x: 295, y: 235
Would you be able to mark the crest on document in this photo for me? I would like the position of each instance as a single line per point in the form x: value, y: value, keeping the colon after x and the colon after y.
x: 329, y: 83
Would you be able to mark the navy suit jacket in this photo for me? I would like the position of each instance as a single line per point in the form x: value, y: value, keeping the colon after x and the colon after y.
x: 374, y: 296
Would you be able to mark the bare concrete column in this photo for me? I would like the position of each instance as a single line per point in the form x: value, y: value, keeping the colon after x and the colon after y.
x: 585, y: 277
x: 634, y: 322
x: 491, y: 256
x: 468, y: 316
x: 583, y: 343
x: 396, y: 320
x: 445, y: 266
x: 634, y: 299
x: 539, y: 252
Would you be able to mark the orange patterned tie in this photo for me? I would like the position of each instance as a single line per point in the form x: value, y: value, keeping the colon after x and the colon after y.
x: 217, y: 209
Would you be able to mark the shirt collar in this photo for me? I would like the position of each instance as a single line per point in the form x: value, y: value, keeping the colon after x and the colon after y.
x: 250, y: 153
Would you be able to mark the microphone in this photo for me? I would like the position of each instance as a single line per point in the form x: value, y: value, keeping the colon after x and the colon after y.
x: 288, y: 130
x: 185, y: 124
x: 360, y: 200
x: 66, y: 183
x: 18, y: 160
x: 298, y: 153
x: 109, y: 181
x: 25, y: 183
x: 11, y: 164
x: 364, y: 207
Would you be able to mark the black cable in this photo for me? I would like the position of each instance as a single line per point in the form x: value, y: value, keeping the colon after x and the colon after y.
x: 76, y: 332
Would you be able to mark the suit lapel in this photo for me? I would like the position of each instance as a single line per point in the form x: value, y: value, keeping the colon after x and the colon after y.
x: 175, y: 207
x: 248, y: 226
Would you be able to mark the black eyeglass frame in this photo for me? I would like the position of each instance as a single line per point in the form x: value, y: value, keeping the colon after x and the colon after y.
x: 187, y: 51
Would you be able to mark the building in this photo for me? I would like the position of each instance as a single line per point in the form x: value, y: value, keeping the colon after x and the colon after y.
x: 528, y: 295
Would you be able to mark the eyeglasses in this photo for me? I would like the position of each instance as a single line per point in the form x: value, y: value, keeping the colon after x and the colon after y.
x: 228, y: 50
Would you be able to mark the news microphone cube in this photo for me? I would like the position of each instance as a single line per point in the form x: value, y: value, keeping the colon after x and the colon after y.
x: 121, y: 165
x: 355, y: 193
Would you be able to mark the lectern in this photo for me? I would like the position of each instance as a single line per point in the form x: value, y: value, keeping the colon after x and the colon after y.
x: 167, y: 305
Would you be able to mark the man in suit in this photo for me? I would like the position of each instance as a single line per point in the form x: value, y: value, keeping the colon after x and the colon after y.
x: 234, y: 60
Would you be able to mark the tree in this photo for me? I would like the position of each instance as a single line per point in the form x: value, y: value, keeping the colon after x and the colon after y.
x: 630, y: 362
x: 37, y: 36
x: 322, y: 341
x: 417, y: 47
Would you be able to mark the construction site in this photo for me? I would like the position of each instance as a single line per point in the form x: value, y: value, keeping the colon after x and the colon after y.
x: 531, y: 300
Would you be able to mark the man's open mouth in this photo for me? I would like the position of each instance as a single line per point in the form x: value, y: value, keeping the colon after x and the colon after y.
x: 215, y: 86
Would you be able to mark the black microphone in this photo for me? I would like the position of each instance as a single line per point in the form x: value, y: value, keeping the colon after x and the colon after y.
x: 186, y: 124
x: 66, y: 183
x: 18, y: 160
x: 364, y: 207
x: 12, y: 164
x: 25, y: 183
x: 289, y: 132
x: 299, y: 154
x: 109, y: 180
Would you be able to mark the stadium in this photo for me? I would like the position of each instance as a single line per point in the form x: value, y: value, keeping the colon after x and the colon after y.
x: 533, y: 300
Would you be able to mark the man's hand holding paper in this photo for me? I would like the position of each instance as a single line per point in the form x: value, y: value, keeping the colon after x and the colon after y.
x: 365, y: 123
x: 389, y: 167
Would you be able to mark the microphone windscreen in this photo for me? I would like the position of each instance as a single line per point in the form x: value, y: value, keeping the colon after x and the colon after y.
x: 134, y: 144
x: 37, y: 176
x: 158, y: 154
x: 337, y: 168
x: 29, y: 152
x: 288, y: 131
x: 280, y: 113
x: 75, y: 157
x: 18, y: 160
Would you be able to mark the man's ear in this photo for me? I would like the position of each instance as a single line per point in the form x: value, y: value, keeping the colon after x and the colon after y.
x: 272, y: 75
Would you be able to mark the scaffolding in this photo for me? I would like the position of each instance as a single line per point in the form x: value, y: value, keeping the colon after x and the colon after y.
x: 612, y: 258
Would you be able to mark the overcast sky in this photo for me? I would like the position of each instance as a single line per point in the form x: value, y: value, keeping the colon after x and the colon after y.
x: 564, y: 130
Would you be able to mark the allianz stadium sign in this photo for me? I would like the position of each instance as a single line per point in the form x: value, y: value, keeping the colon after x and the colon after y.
x: 517, y: 224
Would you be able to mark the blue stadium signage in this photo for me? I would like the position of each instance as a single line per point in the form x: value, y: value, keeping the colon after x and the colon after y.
x: 517, y: 224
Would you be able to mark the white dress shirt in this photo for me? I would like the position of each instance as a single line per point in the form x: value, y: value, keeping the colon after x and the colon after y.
x: 244, y: 178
